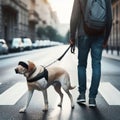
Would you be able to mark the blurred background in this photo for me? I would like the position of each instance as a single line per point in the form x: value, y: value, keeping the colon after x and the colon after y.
x: 38, y: 31
x: 29, y: 24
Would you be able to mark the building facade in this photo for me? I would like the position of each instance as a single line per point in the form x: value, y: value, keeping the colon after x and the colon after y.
x: 14, y: 17
x: 17, y: 19
x: 46, y: 14
x: 33, y: 18
x: 114, y: 41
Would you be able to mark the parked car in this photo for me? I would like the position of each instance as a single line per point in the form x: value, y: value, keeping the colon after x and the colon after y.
x: 27, y: 43
x: 45, y: 43
x: 17, y: 45
x: 3, y: 47
x: 36, y: 44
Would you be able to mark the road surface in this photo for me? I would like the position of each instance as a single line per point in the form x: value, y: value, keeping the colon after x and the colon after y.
x: 13, y: 89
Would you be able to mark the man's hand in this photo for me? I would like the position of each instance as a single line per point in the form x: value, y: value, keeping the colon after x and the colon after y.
x: 72, y: 44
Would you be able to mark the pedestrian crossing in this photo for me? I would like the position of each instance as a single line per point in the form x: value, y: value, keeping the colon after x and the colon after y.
x: 13, y: 94
x: 110, y: 93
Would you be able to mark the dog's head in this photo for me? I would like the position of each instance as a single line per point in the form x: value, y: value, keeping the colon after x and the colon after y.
x: 25, y: 68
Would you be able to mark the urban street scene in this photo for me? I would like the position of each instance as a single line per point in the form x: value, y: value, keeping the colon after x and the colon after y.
x: 40, y: 64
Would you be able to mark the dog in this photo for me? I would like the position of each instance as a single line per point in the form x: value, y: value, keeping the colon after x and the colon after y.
x: 40, y: 78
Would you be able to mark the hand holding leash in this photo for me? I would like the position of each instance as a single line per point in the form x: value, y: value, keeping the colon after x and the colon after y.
x: 72, y: 45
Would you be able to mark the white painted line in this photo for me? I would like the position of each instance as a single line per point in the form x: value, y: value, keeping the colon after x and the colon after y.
x: 0, y: 83
x: 110, y: 93
x: 13, y: 94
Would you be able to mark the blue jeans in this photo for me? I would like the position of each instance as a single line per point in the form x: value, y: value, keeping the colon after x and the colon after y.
x: 85, y: 45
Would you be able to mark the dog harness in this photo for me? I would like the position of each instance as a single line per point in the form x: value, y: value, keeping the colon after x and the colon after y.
x: 39, y: 76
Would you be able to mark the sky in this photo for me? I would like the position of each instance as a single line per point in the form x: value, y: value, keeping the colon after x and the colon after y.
x: 63, y: 9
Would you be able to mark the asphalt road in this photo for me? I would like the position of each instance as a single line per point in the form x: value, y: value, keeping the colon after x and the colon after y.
x: 13, y: 90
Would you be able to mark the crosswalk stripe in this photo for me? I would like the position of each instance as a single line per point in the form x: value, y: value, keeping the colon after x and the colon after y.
x: 110, y: 93
x: 13, y: 94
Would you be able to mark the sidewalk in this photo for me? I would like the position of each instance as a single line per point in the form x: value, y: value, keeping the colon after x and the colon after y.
x: 105, y: 54
x: 110, y: 55
x: 11, y: 55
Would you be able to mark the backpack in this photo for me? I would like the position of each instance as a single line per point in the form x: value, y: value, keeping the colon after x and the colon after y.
x: 94, y: 16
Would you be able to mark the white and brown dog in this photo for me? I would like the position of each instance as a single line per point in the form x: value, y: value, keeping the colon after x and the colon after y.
x: 40, y: 78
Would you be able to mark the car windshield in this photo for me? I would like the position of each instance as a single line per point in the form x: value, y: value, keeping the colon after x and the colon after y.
x: 16, y: 41
x: 27, y: 40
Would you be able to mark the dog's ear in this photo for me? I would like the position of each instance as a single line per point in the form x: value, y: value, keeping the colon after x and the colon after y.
x: 23, y: 64
x: 31, y: 66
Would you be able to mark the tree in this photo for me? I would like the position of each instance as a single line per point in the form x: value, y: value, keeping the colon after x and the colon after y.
x: 41, y: 32
x: 51, y: 33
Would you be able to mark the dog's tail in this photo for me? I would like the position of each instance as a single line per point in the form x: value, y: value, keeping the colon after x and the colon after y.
x: 71, y: 87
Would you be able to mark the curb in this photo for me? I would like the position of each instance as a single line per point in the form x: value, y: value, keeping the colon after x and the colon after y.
x: 111, y: 56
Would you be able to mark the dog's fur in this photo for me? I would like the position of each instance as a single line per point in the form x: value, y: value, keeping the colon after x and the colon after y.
x: 57, y: 77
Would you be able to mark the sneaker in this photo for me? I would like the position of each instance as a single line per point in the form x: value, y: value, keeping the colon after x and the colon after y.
x: 81, y: 98
x: 92, y: 102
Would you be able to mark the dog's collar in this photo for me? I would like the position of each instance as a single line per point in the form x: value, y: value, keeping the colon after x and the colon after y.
x: 32, y: 72
x: 39, y: 76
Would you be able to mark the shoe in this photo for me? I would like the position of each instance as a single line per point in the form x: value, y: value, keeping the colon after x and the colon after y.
x: 92, y: 102
x: 81, y: 98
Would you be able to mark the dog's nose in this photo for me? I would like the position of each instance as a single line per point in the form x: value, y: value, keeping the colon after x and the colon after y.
x: 16, y: 70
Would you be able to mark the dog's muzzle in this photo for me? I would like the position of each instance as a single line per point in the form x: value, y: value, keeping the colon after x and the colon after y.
x: 16, y: 71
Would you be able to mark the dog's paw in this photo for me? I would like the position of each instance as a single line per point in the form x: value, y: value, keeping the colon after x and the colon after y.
x: 22, y: 110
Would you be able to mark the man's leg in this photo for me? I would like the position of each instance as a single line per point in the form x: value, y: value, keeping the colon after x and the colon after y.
x: 83, y: 49
x: 96, y: 54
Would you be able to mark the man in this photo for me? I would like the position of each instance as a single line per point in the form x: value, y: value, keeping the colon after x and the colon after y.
x: 88, y: 43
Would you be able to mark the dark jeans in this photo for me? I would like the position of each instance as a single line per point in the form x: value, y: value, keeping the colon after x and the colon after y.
x: 85, y: 45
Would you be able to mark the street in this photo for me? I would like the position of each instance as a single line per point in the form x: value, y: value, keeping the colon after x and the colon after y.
x: 13, y: 89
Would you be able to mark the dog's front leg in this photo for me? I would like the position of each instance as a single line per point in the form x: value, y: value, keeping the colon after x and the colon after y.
x: 45, y: 100
x: 29, y: 96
